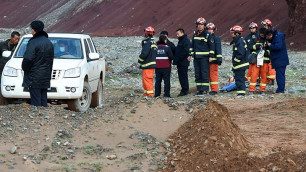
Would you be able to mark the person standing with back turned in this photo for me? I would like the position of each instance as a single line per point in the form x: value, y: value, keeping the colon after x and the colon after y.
x: 37, y: 64
x: 147, y: 60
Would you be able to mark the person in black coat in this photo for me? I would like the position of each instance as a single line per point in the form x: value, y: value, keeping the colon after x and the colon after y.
x: 37, y: 64
x: 182, y: 60
x: 169, y: 43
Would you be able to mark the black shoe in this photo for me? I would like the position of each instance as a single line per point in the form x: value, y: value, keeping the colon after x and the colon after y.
x: 251, y: 92
x: 213, y: 93
x: 262, y: 93
x: 241, y: 94
x: 199, y: 93
x: 182, y: 94
x: 167, y: 96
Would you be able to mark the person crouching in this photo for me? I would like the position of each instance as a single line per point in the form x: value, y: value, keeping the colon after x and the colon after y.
x: 163, y: 66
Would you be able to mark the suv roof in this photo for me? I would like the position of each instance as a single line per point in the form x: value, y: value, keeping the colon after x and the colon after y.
x: 63, y: 35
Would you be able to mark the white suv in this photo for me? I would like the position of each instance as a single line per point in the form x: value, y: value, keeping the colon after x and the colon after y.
x: 77, y: 77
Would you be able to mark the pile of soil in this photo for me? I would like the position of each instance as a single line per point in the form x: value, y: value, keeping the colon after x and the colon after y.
x: 212, y: 142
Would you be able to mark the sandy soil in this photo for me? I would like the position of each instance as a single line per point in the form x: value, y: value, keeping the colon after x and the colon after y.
x: 136, y: 131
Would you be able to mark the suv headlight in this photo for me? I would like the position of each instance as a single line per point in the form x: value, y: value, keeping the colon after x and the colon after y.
x: 9, y: 71
x: 73, y: 73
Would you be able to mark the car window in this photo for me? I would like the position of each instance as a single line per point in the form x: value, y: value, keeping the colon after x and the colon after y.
x: 92, y: 50
x: 86, y: 48
x: 64, y: 48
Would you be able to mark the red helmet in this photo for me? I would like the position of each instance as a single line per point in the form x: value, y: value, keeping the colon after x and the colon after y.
x: 201, y: 20
x: 253, y: 25
x: 236, y: 28
x: 266, y: 22
x: 149, y: 30
x: 211, y: 26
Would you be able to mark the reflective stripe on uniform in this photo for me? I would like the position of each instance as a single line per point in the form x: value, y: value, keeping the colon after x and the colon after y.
x: 212, y: 52
x: 200, y: 38
x: 211, y: 83
x: 190, y: 49
x: 214, y: 58
x: 271, y: 76
x: 140, y: 59
x: 266, y: 58
x: 153, y: 46
x: 204, y: 84
x: 254, y: 52
x: 201, y: 53
x: 148, y: 64
x: 263, y: 84
x: 219, y: 55
x: 236, y: 48
x: 150, y: 92
x: 242, y: 65
x: 237, y: 60
x: 192, y: 53
x: 253, y: 83
x: 241, y: 92
x: 158, y: 58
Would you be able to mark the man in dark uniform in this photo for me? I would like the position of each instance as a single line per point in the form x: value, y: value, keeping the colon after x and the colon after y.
x: 37, y: 64
x: 202, y: 48
x: 182, y: 60
x: 239, y: 59
x: 8, y: 45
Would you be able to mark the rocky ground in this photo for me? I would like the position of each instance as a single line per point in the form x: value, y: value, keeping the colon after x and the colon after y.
x: 135, y: 133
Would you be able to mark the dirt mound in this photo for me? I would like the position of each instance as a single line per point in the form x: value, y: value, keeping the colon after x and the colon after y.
x: 212, y: 141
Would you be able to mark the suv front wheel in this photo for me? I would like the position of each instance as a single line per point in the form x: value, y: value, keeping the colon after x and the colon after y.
x: 81, y: 104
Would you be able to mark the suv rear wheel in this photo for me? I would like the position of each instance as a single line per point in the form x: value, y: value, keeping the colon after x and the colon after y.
x: 81, y: 104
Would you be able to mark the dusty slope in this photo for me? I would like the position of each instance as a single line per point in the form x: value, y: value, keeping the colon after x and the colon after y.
x: 129, y: 17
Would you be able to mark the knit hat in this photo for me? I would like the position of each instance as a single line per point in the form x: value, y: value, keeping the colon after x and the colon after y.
x: 164, y: 32
x: 37, y: 25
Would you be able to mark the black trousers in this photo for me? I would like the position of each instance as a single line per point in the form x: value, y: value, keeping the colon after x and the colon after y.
x: 280, y: 79
x: 240, y: 80
x: 38, y: 96
x: 183, y: 78
x: 162, y: 74
x: 201, y: 70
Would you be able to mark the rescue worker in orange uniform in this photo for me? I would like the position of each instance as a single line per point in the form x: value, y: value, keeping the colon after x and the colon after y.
x: 147, y: 60
x: 239, y: 59
x: 251, y: 40
x: 214, y: 62
x: 266, y: 23
x: 202, y: 48
x: 263, y: 70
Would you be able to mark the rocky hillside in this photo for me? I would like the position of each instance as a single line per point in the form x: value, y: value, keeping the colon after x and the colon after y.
x: 130, y: 17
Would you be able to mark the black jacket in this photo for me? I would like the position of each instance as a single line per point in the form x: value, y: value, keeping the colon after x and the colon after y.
x: 5, y: 46
x: 38, y: 61
x: 218, y: 50
x: 147, y: 58
x: 251, y: 41
x: 239, y: 58
x: 171, y: 45
x: 182, y: 51
x: 202, y: 45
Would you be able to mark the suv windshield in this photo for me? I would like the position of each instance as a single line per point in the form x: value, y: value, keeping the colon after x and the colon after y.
x: 64, y: 48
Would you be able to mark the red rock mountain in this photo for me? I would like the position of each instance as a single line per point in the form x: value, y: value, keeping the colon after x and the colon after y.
x: 130, y: 17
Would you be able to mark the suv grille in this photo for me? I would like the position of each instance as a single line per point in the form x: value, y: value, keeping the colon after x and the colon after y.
x: 56, y: 74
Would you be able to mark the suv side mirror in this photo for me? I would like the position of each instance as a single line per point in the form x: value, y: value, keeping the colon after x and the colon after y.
x: 93, y: 56
x: 6, y: 54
